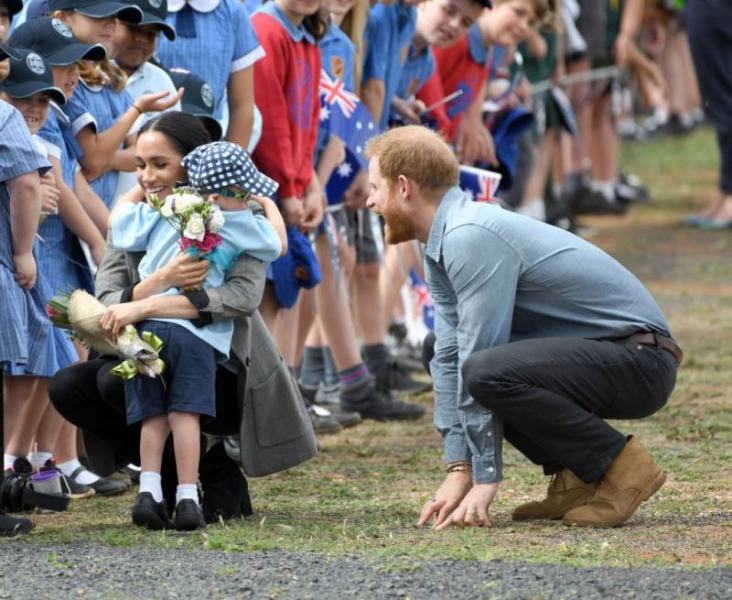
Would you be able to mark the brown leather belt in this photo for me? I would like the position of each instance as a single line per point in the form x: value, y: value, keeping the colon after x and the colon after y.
x: 654, y: 340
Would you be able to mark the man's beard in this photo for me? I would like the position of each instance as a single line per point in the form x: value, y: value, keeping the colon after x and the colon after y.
x: 399, y: 228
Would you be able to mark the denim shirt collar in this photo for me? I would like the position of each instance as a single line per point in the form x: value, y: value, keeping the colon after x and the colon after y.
x: 433, y: 247
x: 296, y: 33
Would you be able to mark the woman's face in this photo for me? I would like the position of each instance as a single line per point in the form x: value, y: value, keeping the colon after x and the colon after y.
x: 158, y: 164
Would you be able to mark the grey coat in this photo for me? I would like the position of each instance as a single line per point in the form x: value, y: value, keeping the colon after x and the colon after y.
x: 275, y: 429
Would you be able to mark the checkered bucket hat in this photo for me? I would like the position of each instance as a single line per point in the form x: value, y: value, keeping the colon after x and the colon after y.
x: 215, y: 166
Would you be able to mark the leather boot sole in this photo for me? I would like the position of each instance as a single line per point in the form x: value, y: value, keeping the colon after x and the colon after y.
x: 645, y: 494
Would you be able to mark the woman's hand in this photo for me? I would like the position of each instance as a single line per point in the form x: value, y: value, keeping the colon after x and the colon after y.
x: 118, y: 316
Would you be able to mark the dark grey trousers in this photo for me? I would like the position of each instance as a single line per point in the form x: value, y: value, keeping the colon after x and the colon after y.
x: 554, y: 394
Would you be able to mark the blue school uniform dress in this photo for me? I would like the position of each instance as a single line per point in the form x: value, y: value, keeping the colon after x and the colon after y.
x: 391, y: 29
x: 190, y: 352
x: 215, y: 38
x: 99, y: 107
x: 60, y: 252
x: 23, y: 322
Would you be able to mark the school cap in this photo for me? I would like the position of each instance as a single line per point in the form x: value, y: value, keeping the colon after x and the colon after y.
x: 55, y: 42
x: 198, y: 100
x: 153, y: 13
x: 37, y: 9
x: 6, y: 52
x: 30, y: 74
x: 298, y: 268
x: 218, y: 165
x: 100, y: 9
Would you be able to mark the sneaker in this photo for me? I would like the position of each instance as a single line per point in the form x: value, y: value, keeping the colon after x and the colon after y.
x: 150, y: 514
x: 10, y: 526
x: 382, y: 405
x: 395, y: 377
x: 72, y: 488
x: 189, y: 516
x: 345, y: 418
x: 323, y: 421
x: 593, y: 202
x: 102, y: 486
x: 629, y: 188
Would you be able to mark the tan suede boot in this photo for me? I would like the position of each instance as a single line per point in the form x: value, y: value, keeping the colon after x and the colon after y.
x: 632, y: 478
x: 565, y: 492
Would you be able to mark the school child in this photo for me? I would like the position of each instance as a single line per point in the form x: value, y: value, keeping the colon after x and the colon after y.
x: 29, y: 88
x: 198, y: 101
x: 59, y: 250
x: 134, y: 46
x: 224, y: 171
x: 102, y: 114
x: 215, y: 40
x: 20, y: 207
x: 286, y: 92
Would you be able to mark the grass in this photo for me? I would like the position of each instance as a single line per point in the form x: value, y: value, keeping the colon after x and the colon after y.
x: 363, y: 492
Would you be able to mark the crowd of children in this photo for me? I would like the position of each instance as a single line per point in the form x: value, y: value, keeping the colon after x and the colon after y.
x: 81, y: 79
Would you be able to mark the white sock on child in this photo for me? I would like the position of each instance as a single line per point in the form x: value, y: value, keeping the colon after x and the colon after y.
x: 186, y: 491
x: 8, y: 460
x: 83, y: 477
x: 150, y: 482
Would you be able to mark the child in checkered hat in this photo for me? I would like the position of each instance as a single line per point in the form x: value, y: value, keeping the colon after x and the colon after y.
x: 185, y: 394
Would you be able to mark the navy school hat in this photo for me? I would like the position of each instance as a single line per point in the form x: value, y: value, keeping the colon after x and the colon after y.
x: 153, y: 13
x: 99, y: 9
x: 198, y: 100
x: 37, y: 9
x: 6, y: 52
x: 299, y: 268
x: 55, y: 42
x: 218, y: 165
x: 30, y: 74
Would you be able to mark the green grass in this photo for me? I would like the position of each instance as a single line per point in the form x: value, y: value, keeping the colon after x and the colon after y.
x: 363, y: 492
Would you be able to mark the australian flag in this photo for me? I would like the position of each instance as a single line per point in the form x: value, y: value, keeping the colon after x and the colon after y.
x: 482, y: 185
x: 342, y: 114
x: 424, y: 300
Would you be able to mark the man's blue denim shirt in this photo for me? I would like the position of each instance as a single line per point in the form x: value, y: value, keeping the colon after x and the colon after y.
x: 497, y: 277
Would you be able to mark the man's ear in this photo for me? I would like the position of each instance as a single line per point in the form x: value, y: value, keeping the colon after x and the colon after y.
x: 404, y: 186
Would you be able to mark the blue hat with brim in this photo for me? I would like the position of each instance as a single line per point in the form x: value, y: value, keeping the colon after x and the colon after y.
x: 30, y: 74
x: 297, y: 269
x: 100, y: 9
x: 506, y: 134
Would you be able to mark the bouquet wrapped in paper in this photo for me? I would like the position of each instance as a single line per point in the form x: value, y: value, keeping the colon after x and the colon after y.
x: 81, y: 314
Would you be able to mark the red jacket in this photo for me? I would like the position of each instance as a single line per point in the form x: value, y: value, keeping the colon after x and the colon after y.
x: 286, y: 93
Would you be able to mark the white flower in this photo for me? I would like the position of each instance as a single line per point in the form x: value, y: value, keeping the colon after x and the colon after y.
x: 195, y: 228
x: 167, y: 209
x: 185, y: 201
x: 215, y: 220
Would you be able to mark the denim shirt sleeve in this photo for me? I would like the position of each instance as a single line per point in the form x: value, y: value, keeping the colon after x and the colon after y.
x: 473, y: 288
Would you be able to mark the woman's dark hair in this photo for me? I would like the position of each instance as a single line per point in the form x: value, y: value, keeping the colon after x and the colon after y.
x: 317, y: 24
x: 184, y: 131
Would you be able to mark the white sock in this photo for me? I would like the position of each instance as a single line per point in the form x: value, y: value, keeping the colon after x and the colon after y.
x: 8, y: 460
x: 38, y: 459
x: 606, y: 188
x: 83, y: 477
x: 150, y: 482
x: 185, y: 491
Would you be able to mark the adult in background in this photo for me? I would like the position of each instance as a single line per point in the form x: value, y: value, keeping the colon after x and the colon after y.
x: 539, y: 337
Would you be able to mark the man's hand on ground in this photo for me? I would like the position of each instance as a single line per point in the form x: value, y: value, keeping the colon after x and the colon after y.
x: 451, y: 493
x: 473, y: 510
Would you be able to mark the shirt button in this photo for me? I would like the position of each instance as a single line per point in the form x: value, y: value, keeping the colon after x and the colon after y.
x: 491, y: 469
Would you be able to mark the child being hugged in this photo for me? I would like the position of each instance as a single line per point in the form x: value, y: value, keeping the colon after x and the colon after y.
x: 186, y: 392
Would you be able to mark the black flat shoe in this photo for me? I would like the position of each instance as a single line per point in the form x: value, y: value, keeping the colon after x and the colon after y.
x: 150, y: 514
x: 189, y: 516
x: 10, y: 526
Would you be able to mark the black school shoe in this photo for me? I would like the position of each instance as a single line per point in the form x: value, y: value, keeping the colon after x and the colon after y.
x: 189, y: 516
x: 150, y: 514
x: 224, y: 487
x: 10, y: 526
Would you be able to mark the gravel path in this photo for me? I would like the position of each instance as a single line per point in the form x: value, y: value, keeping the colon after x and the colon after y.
x: 95, y: 571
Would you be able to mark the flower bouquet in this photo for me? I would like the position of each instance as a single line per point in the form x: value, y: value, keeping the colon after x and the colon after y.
x: 81, y: 314
x: 196, y: 219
